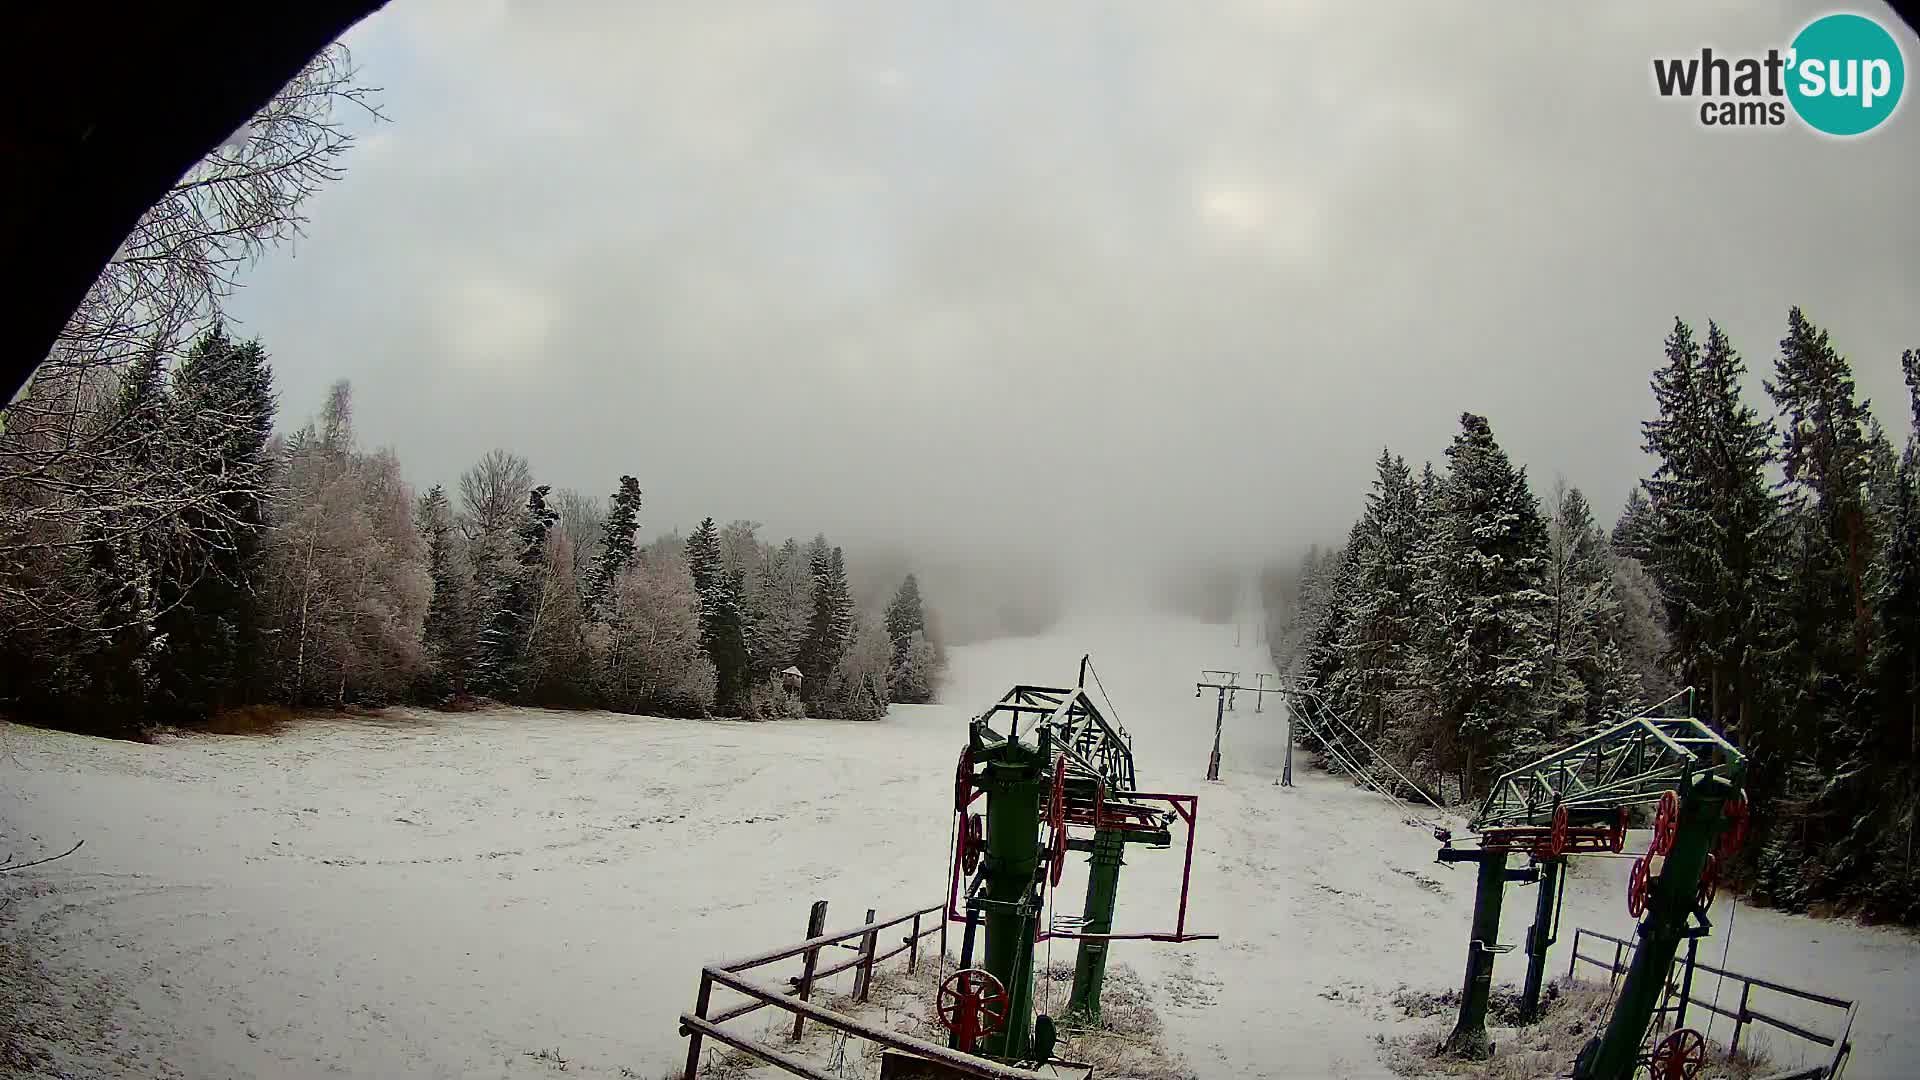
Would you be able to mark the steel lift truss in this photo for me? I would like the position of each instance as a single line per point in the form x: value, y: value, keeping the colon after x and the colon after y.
x: 1046, y: 757
x: 1575, y: 801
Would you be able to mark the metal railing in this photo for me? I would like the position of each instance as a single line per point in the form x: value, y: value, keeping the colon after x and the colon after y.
x: 1742, y: 1013
x: 698, y: 1025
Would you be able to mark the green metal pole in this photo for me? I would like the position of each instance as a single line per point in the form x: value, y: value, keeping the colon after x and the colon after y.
x: 1540, y: 938
x: 1103, y: 886
x: 1661, y: 931
x: 1015, y: 783
x: 1469, y: 1038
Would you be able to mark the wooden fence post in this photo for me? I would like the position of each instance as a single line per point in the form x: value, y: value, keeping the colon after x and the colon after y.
x: 1739, y: 1021
x: 913, y: 950
x: 693, y: 1037
x: 816, y: 925
x: 863, y: 973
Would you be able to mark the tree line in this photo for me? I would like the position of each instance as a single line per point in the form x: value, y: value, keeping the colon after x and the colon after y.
x: 192, y: 562
x: 1769, y: 562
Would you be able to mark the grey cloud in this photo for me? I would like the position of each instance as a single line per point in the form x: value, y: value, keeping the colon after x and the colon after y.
x: 1101, y: 280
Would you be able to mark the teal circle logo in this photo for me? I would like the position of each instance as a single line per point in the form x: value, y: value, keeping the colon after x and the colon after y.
x: 1845, y: 74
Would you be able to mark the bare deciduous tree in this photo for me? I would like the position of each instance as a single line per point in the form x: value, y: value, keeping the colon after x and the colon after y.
x: 74, y: 470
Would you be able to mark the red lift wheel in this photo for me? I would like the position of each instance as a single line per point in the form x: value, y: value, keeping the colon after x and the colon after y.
x: 1680, y: 1056
x: 973, y: 841
x: 1637, y: 887
x: 972, y: 1004
x: 1709, y: 884
x: 1058, y: 857
x: 1735, y: 833
x: 1557, y: 840
x: 1666, y: 822
x: 963, y: 781
x: 1057, y: 805
x: 1617, y: 837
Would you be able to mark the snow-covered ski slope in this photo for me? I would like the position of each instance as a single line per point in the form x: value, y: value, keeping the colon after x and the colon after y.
x: 454, y: 895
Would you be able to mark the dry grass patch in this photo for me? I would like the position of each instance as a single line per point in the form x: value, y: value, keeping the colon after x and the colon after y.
x: 1574, y: 1013
x: 1127, y: 1042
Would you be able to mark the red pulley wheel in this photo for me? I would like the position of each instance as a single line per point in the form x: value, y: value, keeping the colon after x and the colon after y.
x: 972, y: 1004
x: 1617, y: 837
x: 1666, y: 822
x: 1058, y: 857
x: 963, y: 781
x: 1557, y: 841
x: 1709, y: 884
x: 973, y: 841
x: 1637, y: 887
x: 1057, y: 806
x: 1734, y: 833
x: 1680, y: 1056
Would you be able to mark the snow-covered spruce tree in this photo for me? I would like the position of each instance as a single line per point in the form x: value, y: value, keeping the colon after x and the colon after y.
x: 744, y: 559
x: 1633, y: 530
x: 721, y: 623
x: 915, y: 675
x: 122, y: 652
x: 1377, y: 623
x: 1840, y: 798
x: 1417, y: 737
x: 1333, y: 601
x: 1714, y: 526
x: 506, y: 630
x: 905, y: 615
x: 782, y: 608
x: 493, y: 495
x: 1587, y: 682
x: 1485, y: 646
x: 208, y: 561
x: 616, y: 548
x: 829, y: 629
x: 1894, y: 670
x: 1825, y: 455
x: 844, y: 618
x: 447, y: 636
x: 1297, y: 622
x: 917, y: 660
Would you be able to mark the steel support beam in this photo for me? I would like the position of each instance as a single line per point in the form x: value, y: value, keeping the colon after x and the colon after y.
x: 1469, y: 1037
x: 1015, y: 780
x: 1103, y: 886
x: 1541, y: 936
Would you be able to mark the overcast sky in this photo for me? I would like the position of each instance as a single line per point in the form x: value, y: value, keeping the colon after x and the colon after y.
x: 1103, y: 277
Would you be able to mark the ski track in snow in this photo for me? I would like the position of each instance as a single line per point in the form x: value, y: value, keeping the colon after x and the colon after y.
x: 447, y: 895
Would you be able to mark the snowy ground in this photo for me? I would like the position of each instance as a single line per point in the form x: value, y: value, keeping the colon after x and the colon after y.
x: 452, y: 895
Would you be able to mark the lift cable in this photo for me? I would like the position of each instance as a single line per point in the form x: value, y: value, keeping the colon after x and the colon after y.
x: 1348, y: 760
x: 1118, y: 724
x: 1382, y: 759
x: 1733, y: 908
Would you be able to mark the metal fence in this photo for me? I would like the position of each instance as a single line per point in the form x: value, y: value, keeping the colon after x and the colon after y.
x: 1743, y: 1013
x: 863, y: 940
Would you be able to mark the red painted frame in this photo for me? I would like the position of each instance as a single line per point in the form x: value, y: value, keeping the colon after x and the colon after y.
x: 1188, y: 809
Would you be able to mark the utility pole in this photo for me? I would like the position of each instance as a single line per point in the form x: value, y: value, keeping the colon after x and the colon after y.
x: 1222, y: 687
